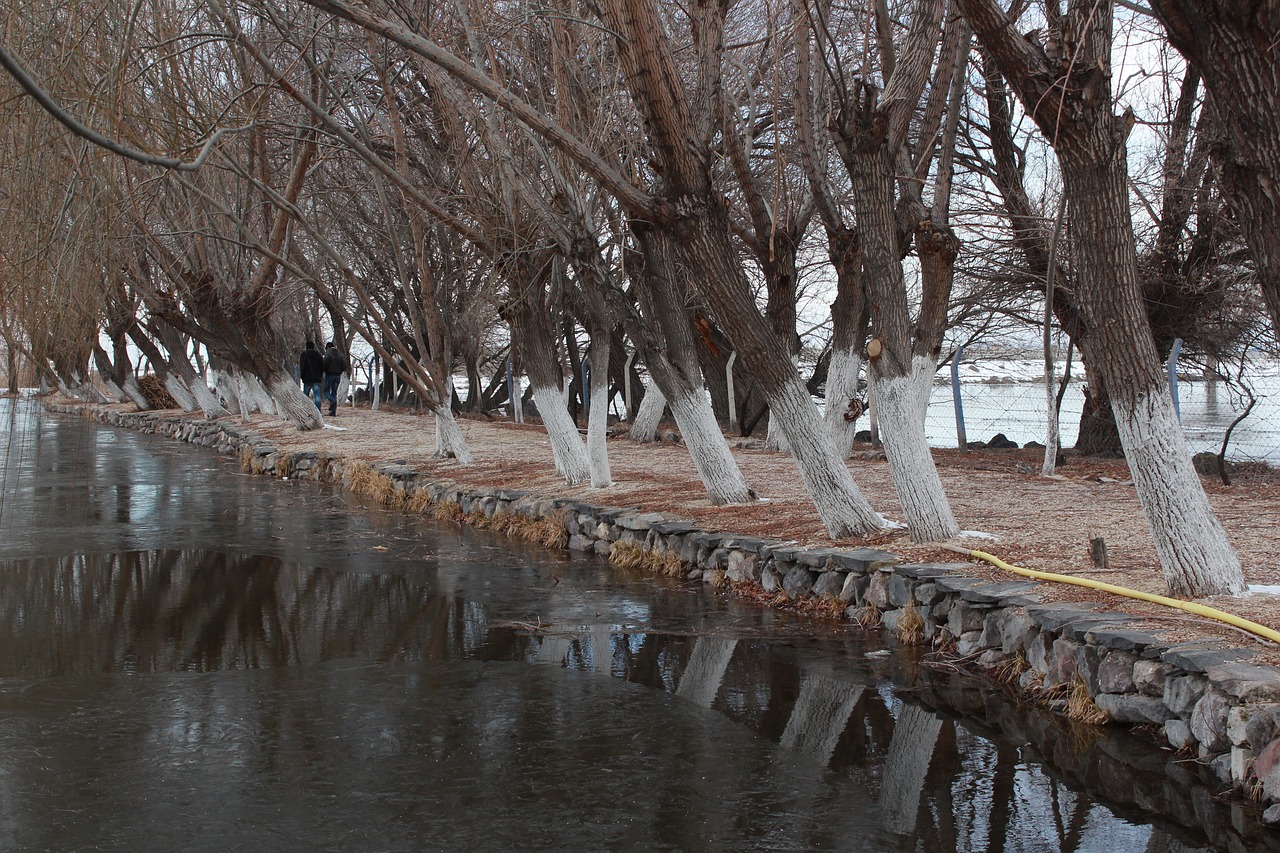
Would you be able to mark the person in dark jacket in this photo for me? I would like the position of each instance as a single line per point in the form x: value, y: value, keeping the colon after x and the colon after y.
x: 334, y: 365
x: 311, y: 372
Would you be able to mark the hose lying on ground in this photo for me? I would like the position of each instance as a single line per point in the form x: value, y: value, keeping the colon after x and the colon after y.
x: 1189, y: 606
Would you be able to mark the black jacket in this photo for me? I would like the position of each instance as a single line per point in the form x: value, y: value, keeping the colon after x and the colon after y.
x: 311, y: 366
x: 334, y: 363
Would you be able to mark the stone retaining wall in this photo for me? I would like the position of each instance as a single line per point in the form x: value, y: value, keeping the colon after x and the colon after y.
x: 1204, y: 698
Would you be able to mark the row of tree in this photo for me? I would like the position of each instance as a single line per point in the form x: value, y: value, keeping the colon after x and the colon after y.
x: 205, y: 182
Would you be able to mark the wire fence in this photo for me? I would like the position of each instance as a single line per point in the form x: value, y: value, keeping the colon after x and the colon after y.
x: 1001, y: 395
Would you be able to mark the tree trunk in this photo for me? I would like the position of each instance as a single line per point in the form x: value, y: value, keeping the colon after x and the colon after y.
x: 571, y: 458
x: 645, y: 425
x: 598, y: 412
x: 1075, y: 114
x: 702, y: 233
x: 450, y: 442
x: 1233, y: 45
x: 291, y: 403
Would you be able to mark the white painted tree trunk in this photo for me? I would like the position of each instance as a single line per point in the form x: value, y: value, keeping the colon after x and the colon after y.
x: 255, y: 395
x: 292, y: 404
x: 649, y: 415
x: 344, y: 389
x: 901, y: 401
x: 1193, y: 549
x: 111, y: 390
x: 915, y: 734
x: 450, y: 442
x: 598, y: 414
x: 776, y: 439
x: 842, y: 389
x: 206, y: 399
x: 134, y: 393
x: 566, y: 445
x: 843, y: 508
x: 178, y: 391
x: 709, y: 451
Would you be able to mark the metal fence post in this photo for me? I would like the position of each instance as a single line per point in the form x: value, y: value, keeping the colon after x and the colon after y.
x: 1172, y: 368
x: 961, y: 441
x: 728, y: 380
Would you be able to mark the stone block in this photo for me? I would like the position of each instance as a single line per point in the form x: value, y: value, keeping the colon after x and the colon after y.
x: 769, y: 580
x: 742, y: 566
x: 578, y: 542
x: 798, y: 581
x: 1115, y: 672
x: 1241, y: 763
x: 1088, y: 660
x: 1267, y: 769
x: 1016, y: 630
x: 1062, y: 661
x: 1132, y: 709
x: 877, y: 594
x: 1209, y: 721
x: 965, y: 617
x: 1182, y: 692
x: 855, y: 588
x: 1149, y: 677
x: 968, y: 643
x: 829, y: 584
x: 862, y: 559
x: 1246, y: 682
x: 1178, y: 733
x: 603, y: 547
x: 900, y: 590
x: 927, y: 593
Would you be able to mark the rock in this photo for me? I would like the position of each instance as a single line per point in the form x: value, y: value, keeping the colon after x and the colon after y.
x: 877, y: 594
x: 1115, y: 673
x: 742, y: 566
x: 578, y: 542
x: 1000, y: 441
x: 1063, y: 665
x: 1149, y: 677
x: 1209, y: 722
x: 1271, y: 817
x: 770, y: 581
x: 1207, y: 463
x: 1132, y: 709
x: 1016, y: 630
x: 829, y: 584
x: 900, y: 590
x: 1178, y: 733
x: 798, y: 581
x: 854, y: 587
x: 1182, y: 692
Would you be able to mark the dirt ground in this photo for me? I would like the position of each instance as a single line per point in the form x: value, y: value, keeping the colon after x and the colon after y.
x: 1037, y: 522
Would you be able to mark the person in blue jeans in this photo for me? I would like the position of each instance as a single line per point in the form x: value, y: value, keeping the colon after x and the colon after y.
x: 334, y: 365
x: 311, y: 372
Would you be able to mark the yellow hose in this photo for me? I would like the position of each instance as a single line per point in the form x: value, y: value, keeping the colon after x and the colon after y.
x: 1188, y: 606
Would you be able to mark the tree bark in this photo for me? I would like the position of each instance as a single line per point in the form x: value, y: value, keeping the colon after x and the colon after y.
x: 1066, y: 90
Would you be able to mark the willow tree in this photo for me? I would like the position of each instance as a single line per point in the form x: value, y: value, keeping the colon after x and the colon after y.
x: 1062, y: 77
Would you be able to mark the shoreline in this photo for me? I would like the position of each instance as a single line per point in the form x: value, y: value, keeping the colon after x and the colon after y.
x: 1204, y: 693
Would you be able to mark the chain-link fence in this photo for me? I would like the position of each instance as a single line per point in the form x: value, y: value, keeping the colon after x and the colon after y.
x: 1003, y: 395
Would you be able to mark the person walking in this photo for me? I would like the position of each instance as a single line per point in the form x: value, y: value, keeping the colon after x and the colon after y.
x: 334, y: 366
x: 311, y: 372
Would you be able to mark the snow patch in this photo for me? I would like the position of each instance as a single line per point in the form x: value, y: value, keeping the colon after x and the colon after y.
x: 1264, y: 589
x: 978, y: 534
x: 338, y: 428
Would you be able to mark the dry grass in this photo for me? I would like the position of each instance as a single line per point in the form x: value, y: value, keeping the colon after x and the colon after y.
x: 910, y: 626
x: 450, y: 511
x: 1081, y: 707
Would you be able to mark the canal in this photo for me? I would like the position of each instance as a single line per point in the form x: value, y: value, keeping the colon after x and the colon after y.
x: 194, y: 659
